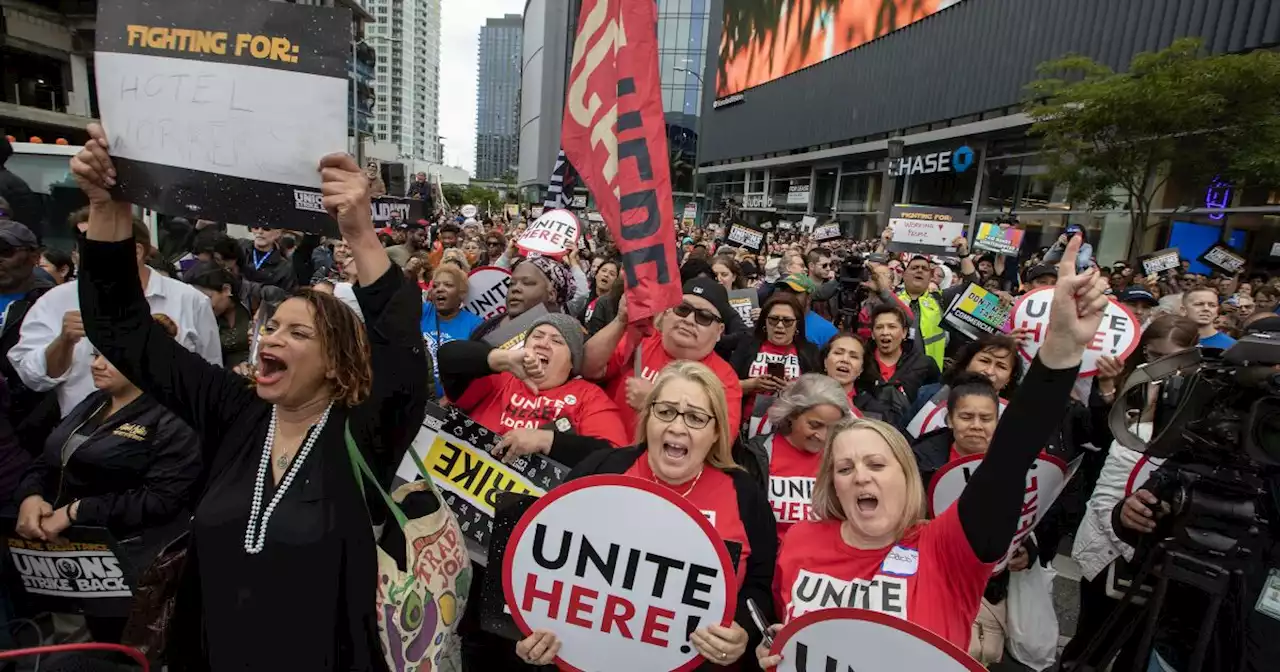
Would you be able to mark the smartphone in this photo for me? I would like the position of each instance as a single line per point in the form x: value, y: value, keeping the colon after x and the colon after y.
x: 761, y: 624
x: 777, y: 370
x: 1072, y: 230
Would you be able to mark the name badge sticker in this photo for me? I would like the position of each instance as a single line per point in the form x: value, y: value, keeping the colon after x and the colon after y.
x: 901, y: 561
x: 1269, y: 598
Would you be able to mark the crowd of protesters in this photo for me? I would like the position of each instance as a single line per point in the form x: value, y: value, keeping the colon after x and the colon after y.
x: 128, y: 404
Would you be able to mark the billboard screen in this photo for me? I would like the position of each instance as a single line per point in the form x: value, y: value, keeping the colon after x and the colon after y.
x: 763, y: 40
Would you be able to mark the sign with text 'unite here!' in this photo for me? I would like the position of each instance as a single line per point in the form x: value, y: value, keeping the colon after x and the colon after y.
x: 1117, y: 335
x: 223, y: 109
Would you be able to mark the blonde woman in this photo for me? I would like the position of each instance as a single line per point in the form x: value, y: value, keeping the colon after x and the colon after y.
x: 685, y: 444
x: 871, y: 546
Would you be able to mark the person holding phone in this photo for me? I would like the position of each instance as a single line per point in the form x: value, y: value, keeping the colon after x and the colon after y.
x: 777, y: 351
x: 1083, y: 260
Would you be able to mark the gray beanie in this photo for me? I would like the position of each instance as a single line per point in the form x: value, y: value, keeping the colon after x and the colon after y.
x: 573, y: 334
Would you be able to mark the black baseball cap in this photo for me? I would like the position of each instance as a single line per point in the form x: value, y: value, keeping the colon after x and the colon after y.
x: 1041, y: 270
x: 712, y: 291
x: 1136, y: 294
x: 16, y: 234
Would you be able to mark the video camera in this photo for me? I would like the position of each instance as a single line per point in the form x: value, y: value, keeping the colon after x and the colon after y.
x: 853, y: 275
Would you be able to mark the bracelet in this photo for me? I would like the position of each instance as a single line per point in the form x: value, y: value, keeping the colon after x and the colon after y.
x: 72, y: 510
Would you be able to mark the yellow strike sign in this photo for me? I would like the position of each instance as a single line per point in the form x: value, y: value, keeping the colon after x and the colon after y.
x: 263, y: 47
x: 473, y: 474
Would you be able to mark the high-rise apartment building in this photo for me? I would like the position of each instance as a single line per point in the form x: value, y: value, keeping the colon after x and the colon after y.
x: 498, y: 97
x: 407, y: 39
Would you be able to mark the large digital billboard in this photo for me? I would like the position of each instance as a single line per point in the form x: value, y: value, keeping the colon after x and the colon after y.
x: 763, y: 40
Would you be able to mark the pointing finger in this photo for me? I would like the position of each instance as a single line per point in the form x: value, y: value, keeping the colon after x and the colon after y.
x: 1067, y: 266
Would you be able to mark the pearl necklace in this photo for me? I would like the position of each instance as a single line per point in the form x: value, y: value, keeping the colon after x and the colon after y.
x: 253, y: 543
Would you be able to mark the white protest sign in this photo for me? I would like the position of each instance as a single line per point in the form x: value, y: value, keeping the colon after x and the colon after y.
x: 230, y: 121
x: 807, y: 222
x: 1117, y: 335
x: 535, y: 211
x: 745, y: 236
x: 1160, y: 261
x: 825, y: 232
x: 1141, y: 473
x: 1275, y: 249
x: 468, y: 211
x: 1045, y: 480
x: 551, y: 234
x: 925, y: 230
x: 622, y: 570
x: 843, y: 638
x: 933, y: 416
x: 487, y: 291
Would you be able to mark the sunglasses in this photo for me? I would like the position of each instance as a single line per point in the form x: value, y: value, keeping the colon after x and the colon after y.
x: 780, y: 321
x: 667, y: 412
x: 704, y: 318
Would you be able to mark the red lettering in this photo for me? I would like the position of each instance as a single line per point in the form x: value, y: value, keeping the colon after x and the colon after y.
x: 1034, y: 331
x: 1096, y: 343
x: 578, y: 597
x: 617, y: 611
x: 532, y: 594
x: 1029, y: 506
x: 1033, y: 485
x: 652, y: 628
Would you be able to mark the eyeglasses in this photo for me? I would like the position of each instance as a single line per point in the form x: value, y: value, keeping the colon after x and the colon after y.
x: 667, y: 412
x: 704, y: 318
x: 780, y: 321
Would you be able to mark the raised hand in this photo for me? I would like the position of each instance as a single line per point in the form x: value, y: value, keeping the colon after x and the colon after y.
x: 1079, y: 302
x: 346, y: 195
x: 92, y: 167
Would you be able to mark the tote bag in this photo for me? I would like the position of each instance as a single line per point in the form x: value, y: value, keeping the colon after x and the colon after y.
x: 419, y: 607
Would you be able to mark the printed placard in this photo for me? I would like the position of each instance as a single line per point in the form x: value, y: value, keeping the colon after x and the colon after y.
x: 223, y: 109
x: 806, y: 223
x: 743, y: 302
x: 512, y: 210
x: 511, y: 335
x: 487, y: 291
x: 825, y: 232
x: 551, y: 233
x: 857, y: 639
x: 977, y: 312
x: 80, y: 574
x: 1117, y: 335
x: 1223, y: 258
x: 925, y: 230
x: 933, y: 415
x: 690, y: 214
x: 455, y: 451
x: 622, y: 570
x: 391, y: 209
x: 468, y: 211
x: 535, y: 211
x: 1160, y: 261
x: 1046, y: 478
x: 1002, y: 240
x: 741, y: 235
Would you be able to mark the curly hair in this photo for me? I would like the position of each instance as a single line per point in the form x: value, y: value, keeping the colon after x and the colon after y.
x: 345, y: 345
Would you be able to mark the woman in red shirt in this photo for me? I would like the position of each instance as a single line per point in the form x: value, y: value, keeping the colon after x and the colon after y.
x: 686, y: 446
x: 777, y: 344
x: 871, y: 547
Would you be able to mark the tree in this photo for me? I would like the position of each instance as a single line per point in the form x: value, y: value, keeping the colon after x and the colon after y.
x: 1115, y: 138
x: 454, y: 194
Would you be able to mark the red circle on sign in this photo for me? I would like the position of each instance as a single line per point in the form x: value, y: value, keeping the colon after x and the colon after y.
x: 566, y: 489
x: 850, y: 614
x: 1133, y: 344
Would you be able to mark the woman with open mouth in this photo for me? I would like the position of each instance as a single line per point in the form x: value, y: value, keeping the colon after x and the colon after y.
x: 281, y: 564
x: 842, y: 359
x: 871, y: 546
x: 685, y: 445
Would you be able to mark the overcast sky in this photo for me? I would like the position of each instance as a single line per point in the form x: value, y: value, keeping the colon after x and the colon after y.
x: 460, y: 23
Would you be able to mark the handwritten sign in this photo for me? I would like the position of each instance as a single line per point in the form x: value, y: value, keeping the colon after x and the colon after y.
x: 1117, y: 335
x: 455, y: 451
x: 742, y: 235
x: 977, y: 312
x: 825, y: 232
x: 551, y: 233
x: 1160, y: 261
x: 223, y: 109
x: 82, y: 574
x: 925, y: 230
x: 867, y: 641
x: 1223, y: 259
x: 622, y: 570
x: 1046, y: 478
x: 1003, y: 240
x: 487, y: 291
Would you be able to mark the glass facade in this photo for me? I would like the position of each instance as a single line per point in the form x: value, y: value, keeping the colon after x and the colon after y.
x: 498, y: 98
x: 682, y: 50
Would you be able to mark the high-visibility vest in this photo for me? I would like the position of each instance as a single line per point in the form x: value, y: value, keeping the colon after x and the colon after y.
x: 932, y: 335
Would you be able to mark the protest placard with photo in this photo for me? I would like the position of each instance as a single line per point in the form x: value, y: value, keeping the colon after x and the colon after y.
x: 741, y: 235
x: 551, y: 233
x: 827, y: 231
x: 454, y: 449
x: 1046, y: 479
x: 925, y: 230
x: 1117, y: 335
x: 1160, y: 261
x: 743, y: 302
x: 843, y: 638
x: 223, y: 109
x: 978, y: 312
x: 622, y: 570
x: 487, y: 291
x: 81, y: 573
x: 1223, y: 258
x: 1002, y: 240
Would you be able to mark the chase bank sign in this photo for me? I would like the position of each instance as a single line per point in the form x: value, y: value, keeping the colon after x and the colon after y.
x: 955, y: 160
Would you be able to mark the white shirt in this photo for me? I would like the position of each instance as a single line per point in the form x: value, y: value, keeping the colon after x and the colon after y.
x: 185, y: 305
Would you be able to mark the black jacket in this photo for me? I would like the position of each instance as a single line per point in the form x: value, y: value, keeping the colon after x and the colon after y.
x: 745, y: 354
x: 915, y: 370
x: 33, y: 413
x: 276, y: 269
x: 134, y: 471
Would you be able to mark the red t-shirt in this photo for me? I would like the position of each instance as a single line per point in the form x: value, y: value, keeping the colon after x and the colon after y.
x: 502, y: 402
x: 931, y: 577
x: 886, y: 370
x: 713, y: 495
x: 773, y: 354
x: 792, y: 472
x: 652, y: 358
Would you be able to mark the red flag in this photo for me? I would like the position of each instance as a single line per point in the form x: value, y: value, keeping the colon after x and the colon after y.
x: 615, y: 135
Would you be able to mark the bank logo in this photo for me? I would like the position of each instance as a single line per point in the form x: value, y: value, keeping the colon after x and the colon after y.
x: 962, y: 159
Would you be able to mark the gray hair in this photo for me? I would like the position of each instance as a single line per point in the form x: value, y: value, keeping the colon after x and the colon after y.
x: 804, y: 393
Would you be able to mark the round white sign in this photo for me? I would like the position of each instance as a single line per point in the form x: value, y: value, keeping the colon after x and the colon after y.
x: 468, y: 211
x: 936, y: 417
x: 551, y: 234
x: 487, y: 291
x: 1045, y: 480
x: 1117, y: 335
x: 622, y: 570
x: 866, y: 641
